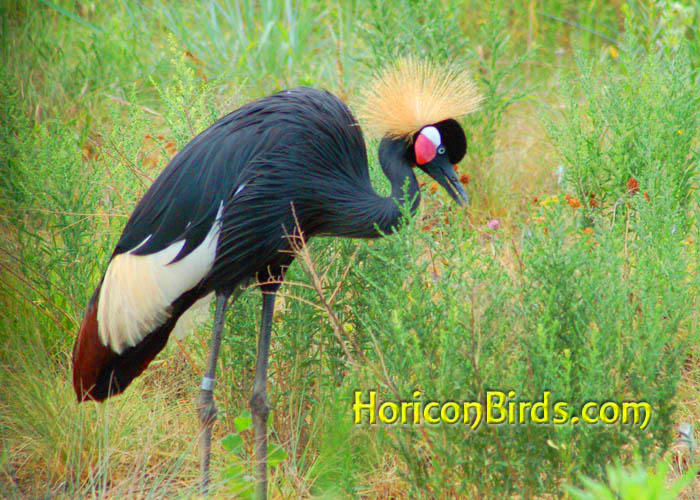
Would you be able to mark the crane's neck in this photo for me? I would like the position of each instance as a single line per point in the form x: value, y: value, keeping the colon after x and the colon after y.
x: 399, y: 171
x: 358, y: 211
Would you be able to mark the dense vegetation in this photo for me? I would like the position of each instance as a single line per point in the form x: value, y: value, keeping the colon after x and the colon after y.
x: 574, y: 270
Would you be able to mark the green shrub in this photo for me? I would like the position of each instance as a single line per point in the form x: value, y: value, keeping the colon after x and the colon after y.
x: 634, y: 483
x: 632, y: 129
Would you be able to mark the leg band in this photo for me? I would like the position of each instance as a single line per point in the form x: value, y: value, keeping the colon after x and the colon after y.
x: 207, y: 384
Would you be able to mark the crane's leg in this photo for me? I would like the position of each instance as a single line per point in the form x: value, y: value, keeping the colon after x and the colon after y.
x: 205, y: 405
x: 258, y: 401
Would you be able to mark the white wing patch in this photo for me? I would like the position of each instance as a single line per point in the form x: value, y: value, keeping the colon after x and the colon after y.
x: 138, y: 290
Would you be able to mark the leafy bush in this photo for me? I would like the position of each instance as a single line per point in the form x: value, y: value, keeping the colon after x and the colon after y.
x: 631, y: 130
x: 634, y: 483
x: 583, y: 318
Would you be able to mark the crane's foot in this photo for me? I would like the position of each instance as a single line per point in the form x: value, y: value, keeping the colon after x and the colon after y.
x: 260, y: 410
x: 207, y: 415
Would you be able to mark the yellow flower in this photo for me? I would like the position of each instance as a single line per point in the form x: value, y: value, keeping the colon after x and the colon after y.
x: 613, y: 53
x: 680, y: 131
x: 549, y: 201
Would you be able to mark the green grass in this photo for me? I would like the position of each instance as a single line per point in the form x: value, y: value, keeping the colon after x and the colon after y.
x: 588, y: 289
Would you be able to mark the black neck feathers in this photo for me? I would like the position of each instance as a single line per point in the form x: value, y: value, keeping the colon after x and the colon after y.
x: 397, y: 167
x: 353, y: 210
x: 370, y: 215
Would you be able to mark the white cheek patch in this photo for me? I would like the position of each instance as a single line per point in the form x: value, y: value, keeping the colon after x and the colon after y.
x: 432, y: 134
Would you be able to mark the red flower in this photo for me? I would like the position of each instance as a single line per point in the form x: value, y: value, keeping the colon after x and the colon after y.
x: 573, y: 202
x: 632, y: 186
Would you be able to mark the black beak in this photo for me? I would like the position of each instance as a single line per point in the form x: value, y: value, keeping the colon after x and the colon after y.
x: 444, y: 173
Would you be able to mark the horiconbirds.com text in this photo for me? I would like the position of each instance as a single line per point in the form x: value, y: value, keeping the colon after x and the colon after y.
x: 497, y: 407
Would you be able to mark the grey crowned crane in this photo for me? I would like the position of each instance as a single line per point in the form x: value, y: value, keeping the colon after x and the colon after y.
x: 217, y: 217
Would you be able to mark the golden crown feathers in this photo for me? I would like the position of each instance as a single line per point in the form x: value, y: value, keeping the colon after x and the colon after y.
x: 414, y: 93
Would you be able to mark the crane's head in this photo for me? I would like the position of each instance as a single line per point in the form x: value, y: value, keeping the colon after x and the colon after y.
x: 436, y: 150
x: 419, y: 102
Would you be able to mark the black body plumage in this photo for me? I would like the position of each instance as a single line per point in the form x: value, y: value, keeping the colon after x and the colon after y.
x: 300, y: 148
x: 292, y: 161
x: 296, y: 157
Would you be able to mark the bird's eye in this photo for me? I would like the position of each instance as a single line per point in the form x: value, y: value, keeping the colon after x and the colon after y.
x: 441, y: 150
